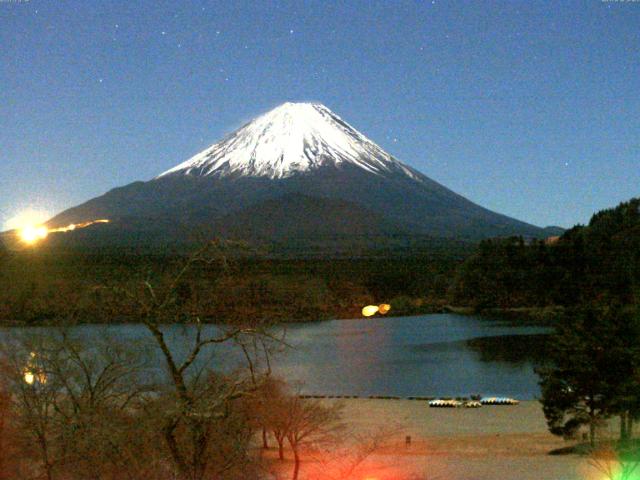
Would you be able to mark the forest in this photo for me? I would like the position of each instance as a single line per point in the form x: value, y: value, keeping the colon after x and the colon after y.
x: 592, y: 264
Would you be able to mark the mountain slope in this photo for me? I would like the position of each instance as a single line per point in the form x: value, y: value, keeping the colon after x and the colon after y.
x: 294, y: 162
x: 301, y: 216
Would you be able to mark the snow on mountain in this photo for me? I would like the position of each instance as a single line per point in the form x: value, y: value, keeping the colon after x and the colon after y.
x: 292, y: 138
x: 296, y: 174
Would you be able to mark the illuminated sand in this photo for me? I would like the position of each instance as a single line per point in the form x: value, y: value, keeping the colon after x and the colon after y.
x: 489, y: 443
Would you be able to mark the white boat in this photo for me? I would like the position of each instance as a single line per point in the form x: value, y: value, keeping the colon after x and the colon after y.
x: 450, y: 403
x: 499, y: 401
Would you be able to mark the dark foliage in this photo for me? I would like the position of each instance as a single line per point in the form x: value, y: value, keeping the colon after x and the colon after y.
x: 42, y: 286
x: 594, y: 370
x: 598, y: 263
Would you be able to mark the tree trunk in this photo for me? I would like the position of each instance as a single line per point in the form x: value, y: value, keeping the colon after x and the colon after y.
x: 174, y: 450
x: 2, y: 434
x: 265, y: 443
x: 199, y: 442
x: 624, y: 434
x: 592, y: 431
x: 280, y: 448
x: 44, y: 449
x: 630, y: 426
x: 296, y: 464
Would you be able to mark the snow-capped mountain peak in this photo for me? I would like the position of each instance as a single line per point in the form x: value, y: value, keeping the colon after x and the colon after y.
x: 292, y: 138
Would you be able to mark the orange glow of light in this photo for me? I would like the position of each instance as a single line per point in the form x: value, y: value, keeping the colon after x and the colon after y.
x: 31, y: 233
x: 384, y: 308
x: 74, y: 226
x: 29, y: 377
x: 32, y: 374
x: 370, y: 310
x: 29, y: 226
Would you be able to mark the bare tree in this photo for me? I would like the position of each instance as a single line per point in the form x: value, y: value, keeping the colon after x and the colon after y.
x: 101, y: 385
x: 309, y: 421
x: 85, y: 411
x: 35, y: 407
x: 269, y: 406
x: 4, y: 415
x: 346, y: 457
x: 74, y: 404
x: 262, y: 406
x: 292, y: 419
x: 196, y: 404
x: 7, y: 437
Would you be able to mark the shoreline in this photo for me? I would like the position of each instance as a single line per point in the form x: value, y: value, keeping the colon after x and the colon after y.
x: 488, y: 443
x: 543, y: 316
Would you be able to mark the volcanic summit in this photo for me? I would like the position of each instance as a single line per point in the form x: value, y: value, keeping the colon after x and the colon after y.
x: 298, y: 172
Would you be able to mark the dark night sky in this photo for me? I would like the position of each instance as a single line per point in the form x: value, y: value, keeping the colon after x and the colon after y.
x: 528, y: 108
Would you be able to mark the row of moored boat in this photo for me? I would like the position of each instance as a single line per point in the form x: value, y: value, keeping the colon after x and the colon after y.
x: 451, y: 403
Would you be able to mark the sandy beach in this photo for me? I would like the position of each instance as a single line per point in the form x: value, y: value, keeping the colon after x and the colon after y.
x: 487, y: 443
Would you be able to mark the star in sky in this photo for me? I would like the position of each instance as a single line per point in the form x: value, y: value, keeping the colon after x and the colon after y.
x: 425, y: 97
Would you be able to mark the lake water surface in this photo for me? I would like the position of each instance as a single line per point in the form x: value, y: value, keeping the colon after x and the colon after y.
x: 429, y: 355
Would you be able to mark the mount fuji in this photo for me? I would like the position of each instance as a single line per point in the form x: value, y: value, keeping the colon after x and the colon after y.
x: 297, y: 173
x: 294, y: 138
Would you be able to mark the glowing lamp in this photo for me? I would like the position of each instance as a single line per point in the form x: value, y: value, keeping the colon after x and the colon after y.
x: 31, y: 373
x: 29, y: 377
x: 384, y: 308
x: 370, y: 310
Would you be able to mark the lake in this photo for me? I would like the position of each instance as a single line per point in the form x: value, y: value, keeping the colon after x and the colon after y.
x: 429, y: 355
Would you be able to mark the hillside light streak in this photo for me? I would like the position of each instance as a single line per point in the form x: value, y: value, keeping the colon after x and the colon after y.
x: 32, y: 234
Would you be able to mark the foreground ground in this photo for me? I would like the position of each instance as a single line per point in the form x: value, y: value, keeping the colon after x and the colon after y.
x: 489, y: 443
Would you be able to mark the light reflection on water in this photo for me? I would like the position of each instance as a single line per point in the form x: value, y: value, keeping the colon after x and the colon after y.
x: 426, y: 355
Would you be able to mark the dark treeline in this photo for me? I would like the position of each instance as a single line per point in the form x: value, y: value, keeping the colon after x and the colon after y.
x: 594, y: 264
x: 34, y: 283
